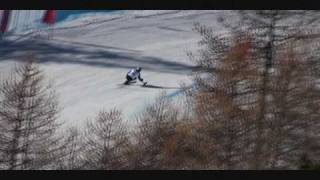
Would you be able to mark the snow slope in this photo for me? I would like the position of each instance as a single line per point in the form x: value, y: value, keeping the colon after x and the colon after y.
x: 88, y: 58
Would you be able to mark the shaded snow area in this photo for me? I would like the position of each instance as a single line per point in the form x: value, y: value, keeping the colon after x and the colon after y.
x: 89, y: 57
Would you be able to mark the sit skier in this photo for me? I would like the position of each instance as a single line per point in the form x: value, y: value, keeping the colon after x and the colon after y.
x: 133, y: 74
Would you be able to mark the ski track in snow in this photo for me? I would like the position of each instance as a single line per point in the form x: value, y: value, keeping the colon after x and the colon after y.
x: 87, y: 61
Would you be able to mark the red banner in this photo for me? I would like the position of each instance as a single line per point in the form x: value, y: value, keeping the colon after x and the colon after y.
x: 5, y: 21
x: 49, y: 17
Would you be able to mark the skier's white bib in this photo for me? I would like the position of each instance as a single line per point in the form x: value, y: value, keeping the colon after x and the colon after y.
x: 133, y: 73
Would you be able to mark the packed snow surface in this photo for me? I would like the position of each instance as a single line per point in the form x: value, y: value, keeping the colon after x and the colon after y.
x: 88, y: 58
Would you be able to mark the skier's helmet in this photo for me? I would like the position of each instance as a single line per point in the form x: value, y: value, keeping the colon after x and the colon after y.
x: 138, y: 69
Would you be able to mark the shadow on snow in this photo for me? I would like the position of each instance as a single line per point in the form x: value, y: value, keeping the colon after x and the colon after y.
x: 87, y: 54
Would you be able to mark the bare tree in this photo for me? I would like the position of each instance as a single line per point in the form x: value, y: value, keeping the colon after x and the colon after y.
x: 294, y: 126
x: 272, y: 30
x: 105, y: 142
x: 155, y: 124
x: 225, y: 100
x: 28, y: 114
x: 72, y: 151
x: 164, y: 140
x: 240, y: 101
